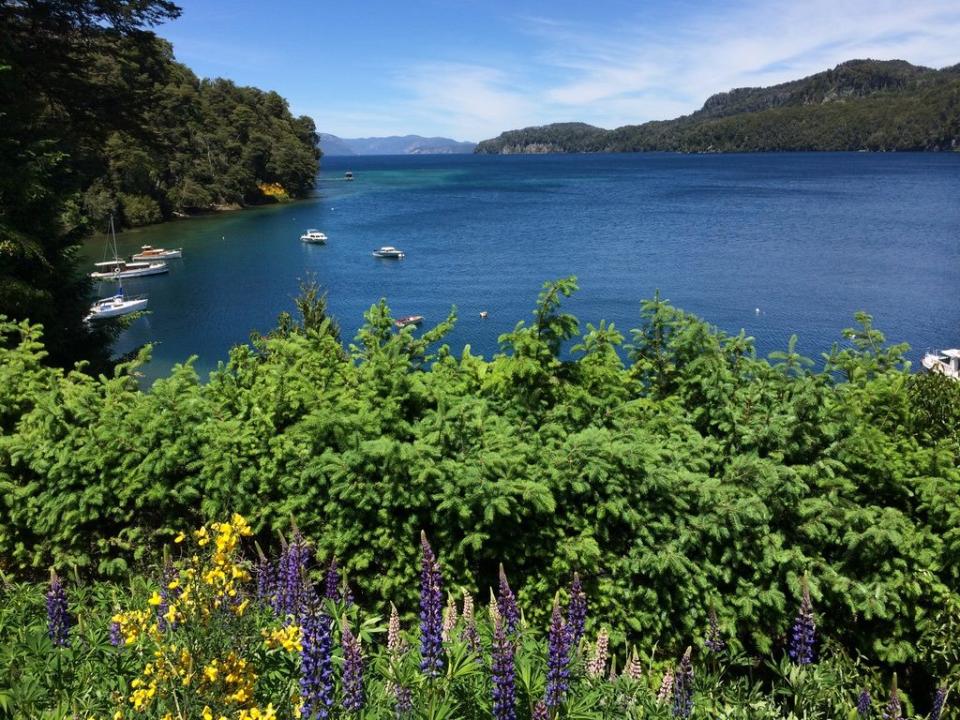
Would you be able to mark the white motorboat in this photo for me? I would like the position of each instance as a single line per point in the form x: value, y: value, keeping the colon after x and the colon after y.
x: 388, y: 251
x: 945, y: 362
x: 115, y: 306
x: 148, y: 252
x: 120, y: 269
x: 313, y: 236
x: 348, y: 175
x: 402, y: 322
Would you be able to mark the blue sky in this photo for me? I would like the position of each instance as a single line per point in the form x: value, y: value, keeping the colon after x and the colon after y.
x: 469, y: 69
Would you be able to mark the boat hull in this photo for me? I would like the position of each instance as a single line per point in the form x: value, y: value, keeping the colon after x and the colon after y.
x: 165, y: 255
x: 158, y: 269
x: 117, y: 309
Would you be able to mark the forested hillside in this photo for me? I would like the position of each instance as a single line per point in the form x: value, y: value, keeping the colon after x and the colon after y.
x: 673, y: 469
x: 96, y: 118
x: 859, y: 105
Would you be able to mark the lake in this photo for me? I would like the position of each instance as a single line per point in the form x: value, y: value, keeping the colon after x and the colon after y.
x: 775, y: 244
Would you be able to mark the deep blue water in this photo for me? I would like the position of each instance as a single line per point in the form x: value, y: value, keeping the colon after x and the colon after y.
x: 807, y: 238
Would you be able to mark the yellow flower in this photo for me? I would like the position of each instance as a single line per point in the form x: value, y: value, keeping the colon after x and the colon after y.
x: 171, y: 615
x: 207, y: 713
x: 155, y: 599
x: 242, y: 607
x: 210, y: 671
x: 180, y: 537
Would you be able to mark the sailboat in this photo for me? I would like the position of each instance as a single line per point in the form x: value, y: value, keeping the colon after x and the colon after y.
x: 118, y: 269
x: 119, y: 304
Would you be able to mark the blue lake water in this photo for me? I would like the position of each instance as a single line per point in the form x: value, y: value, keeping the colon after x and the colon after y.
x: 808, y: 239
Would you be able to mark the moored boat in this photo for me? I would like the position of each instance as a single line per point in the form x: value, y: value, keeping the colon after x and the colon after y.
x: 313, y: 236
x: 389, y: 252
x: 148, y: 252
x: 402, y: 322
x: 945, y: 362
x: 115, y: 306
x: 120, y: 269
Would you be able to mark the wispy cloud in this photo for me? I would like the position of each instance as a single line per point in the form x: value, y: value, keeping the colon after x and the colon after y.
x: 631, y: 72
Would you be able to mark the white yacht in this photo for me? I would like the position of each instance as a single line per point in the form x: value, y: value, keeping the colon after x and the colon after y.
x: 313, y: 236
x: 388, y: 251
x: 115, y: 306
x: 148, y: 252
x: 348, y: 176
x: 120, y: 269
x: 945, y: 362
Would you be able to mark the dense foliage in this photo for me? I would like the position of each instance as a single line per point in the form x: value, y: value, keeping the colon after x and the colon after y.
x: 211, y: 635
x: 695, y: 474
x: 96, y: 118
x: 859, y: 105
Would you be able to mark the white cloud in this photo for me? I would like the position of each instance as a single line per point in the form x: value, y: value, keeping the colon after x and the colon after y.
x: 633, y: 72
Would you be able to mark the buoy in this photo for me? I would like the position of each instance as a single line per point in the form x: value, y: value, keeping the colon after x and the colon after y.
x: 757, y: 311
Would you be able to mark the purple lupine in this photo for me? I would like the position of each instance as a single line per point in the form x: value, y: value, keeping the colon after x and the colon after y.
x: 507, y: 604
x: 714, y: 641
x: 504, y: 675
x: 863, y: 704
x: 331, y: 581
x: 939, y: 700
x: 291, y: 571
x: 431, y: 612
x: 404, y: 698
x: 316, y: 666
x: 116, y: 639
x: 576, y: 611
x: 540, y: 711
x: 352, y: 672
x: 558, y: 669
x: 804, y: 631
x: 58, y: 618
x: 892, y: 711
x: 266, y: 580
x: 683, y: 687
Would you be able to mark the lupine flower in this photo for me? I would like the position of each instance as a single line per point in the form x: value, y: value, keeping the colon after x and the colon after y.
x: 666, y: 687
x: 507, y: 604
x: 612, y: 676
x: 493, y: 609
x: 58, y: 619
x: 290, y: 574
x: 598, y: 660
x: 539, y: 711
x: 449, y: 618
x: 714, y: 641
x: 431, y: 621
x: 683, y: 688
x: 558, y: 670
x: 939, y: 700
x: 404, y: 698
x: 467, y: 613
x: 633, y: 669
x: 893, y: 711
x: 863, y: 705
x: 804, y: 630
x: 352, y: 672
x: 331, y: 581
x: 266, y: 580
x: 503, y: 671
x: 347, y: 593
x: 116, y: 638
x: 394, y: 640
x: 469, y: 633
x: 576, y: 611
x: 316, y: 666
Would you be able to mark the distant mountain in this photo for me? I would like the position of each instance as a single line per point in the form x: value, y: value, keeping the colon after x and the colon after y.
x: 394, y: 145
x: 858, y: 105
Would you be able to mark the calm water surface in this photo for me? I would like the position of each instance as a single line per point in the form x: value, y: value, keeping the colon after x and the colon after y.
x: 808, y: 239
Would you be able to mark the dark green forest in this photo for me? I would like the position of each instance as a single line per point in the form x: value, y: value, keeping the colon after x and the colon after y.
x: 98, y: 119
x: 859, y: 105
x: 670, y: 466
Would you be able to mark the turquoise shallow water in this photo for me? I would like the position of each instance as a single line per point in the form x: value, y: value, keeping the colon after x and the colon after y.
x: 806, y: 238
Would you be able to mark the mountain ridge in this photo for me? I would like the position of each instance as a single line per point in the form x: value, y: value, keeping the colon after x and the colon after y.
x: 857, y: 105
x: 334, y: 146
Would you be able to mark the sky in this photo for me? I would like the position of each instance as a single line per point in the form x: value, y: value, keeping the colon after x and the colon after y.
x: 470, y: 69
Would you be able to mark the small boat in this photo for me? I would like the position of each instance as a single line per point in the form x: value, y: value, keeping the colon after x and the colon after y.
x: 115, y: 306
x: 120, y: 269
x: 348, y: 175
x: 314, y: 237
x: 408, y: 320
x: 483, y: 314
x: 148, y: 252
x: 945, y: 362
x: 388, y: 251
